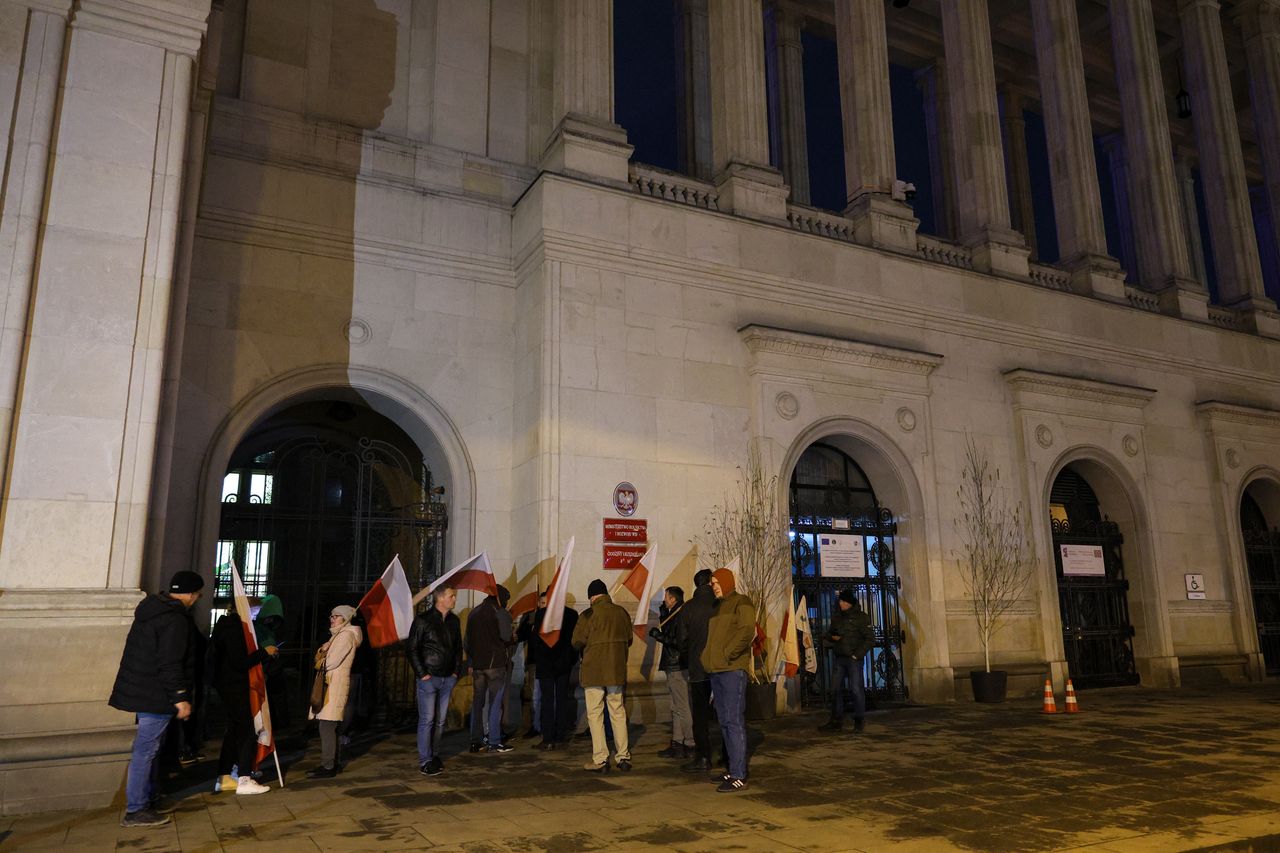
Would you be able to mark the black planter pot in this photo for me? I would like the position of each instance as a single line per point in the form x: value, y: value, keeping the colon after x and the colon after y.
x: 761, y: 704
x: 989, y: 686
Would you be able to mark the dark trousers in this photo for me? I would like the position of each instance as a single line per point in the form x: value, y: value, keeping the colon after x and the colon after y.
x: 731, y: 707
x: 559, y: 710
x: 240, y: 743
x: 700, y: 713
x: 850, y: 669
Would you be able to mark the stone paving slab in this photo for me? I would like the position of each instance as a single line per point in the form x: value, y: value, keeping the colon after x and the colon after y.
x: 1139, y: 770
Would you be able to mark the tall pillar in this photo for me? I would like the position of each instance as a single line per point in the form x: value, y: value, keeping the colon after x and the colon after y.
x: 1163, y: 262
x: 1013, y: 127
x: 1073, y: 171
x: 748, y: 185
x: 1259, y: 22
x: 867, y: 114
x: 1268, y: 247
x: 696, y: 113
x: 932, y: 81
x: 795, y: 136
x: 1226, y: 191
x: 88, y: 394
x: 585, y: 141
x: 983, y: 200
x: 1118, y: 161
x: 1183, y: 162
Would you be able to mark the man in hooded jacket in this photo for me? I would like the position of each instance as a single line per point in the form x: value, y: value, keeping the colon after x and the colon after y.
x: 727, y: 659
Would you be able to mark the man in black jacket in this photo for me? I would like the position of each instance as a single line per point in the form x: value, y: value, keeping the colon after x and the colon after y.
x: 155, y: 682
x: 231, y: 664
x: 552, y: 667
x: 435, y: 653
x: 488, y: 646
x: 849, y: 638
x: 675, y: 663
x: 697, y: 613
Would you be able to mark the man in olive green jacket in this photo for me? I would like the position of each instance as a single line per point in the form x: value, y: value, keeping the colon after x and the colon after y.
x: 603, y: 635
x: 727, y: 659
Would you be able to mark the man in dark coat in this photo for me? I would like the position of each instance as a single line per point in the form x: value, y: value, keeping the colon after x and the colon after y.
x: 849, y: 638
x: 231, y: 664
x: 675, y: 664
x: 155, y: 682
x: 696, y: 615
x: 727, y: 660
x: 435, y: 653
x: 488, y: 643
x: 552, y: 667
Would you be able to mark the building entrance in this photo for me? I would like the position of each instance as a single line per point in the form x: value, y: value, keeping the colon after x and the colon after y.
x: 1262, y: 555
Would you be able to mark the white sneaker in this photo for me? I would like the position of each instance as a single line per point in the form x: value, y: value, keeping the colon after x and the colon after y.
x: 246, y: 785
x: 224, y: 783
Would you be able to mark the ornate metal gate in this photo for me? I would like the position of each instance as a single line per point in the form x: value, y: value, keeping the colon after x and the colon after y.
x: 1262, y: 555
x: 1096, y: 634
x: 315, y: 520
x: 829, y: 489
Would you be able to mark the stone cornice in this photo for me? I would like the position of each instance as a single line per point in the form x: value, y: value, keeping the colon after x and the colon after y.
x: 1236, y: 413
x: 1077, y: 388
x: 177, y: 25
x: 56, y: 7
x: 766, y: 339
x: 85, y: 603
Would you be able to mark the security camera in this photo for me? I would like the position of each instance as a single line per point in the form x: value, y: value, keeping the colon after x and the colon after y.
x: 904, y: 191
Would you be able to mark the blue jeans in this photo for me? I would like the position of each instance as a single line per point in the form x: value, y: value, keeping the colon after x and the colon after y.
x: 730, y: 691
x: 490, y: 684
x: 848, y: 668
x: 144, y: 769
x: 433, y: 707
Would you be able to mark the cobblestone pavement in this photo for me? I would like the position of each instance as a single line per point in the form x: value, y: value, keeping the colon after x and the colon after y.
x: 1138, y: 770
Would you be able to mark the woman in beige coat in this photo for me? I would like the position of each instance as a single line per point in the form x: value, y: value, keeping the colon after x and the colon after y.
x: 336, y: 658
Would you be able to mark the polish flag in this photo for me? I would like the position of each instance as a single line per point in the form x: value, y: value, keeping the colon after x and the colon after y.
x: 258, y: 708
x: 555, y: 597
x: 474, y: 573
x: 790, y: 645
x: 525, y: 599
x: 639, y: 582
x: 388, y: 607
x: 806, y: 637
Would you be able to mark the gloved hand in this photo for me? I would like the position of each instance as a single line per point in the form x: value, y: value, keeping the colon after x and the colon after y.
x: 656, y: 634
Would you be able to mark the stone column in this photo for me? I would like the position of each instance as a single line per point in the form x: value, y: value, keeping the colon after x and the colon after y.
x: 983, y: 201
x: 88, y: 397
x: 1073, y: 172
x: 795, y: 138
x: 748, y: 185
x: 867, y: 115
x: 1117, y: 159
x: 1268, y: 248
x: 932, y: 81
x: 1013, y: 127
x: 696, y: 116
x: 1226, y: 191
x: 1183, y: 161
x: 585, y: 141
x: 1259, y: 22
x: 1163, y: 262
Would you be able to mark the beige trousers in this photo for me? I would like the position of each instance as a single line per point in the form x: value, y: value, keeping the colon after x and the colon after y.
x: 597, y: 698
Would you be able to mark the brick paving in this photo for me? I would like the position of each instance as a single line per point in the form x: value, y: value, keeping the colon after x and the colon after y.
x: 1139, y: 770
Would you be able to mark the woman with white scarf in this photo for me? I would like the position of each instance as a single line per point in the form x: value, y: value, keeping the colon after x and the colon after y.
x: 335, y: 658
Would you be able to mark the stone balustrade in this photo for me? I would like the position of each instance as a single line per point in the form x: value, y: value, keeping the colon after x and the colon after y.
x: 1050, y: 277
x: 943, y: 252
x: 659, y: 183
x: 810, y: 220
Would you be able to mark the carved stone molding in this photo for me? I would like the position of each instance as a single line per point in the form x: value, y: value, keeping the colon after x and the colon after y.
x: 906, y: 419
x: 177, y: 25
x: 1077, y: 388
x: 357, y: 331
x: 1235, y: 413
x: 1130, y: 445
x: 1044, y: 436
x: 1233, y: 458
x: 786, y: 405
x: 765, y: 339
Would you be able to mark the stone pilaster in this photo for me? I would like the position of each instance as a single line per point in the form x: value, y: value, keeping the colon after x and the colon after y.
x: 982, y: 200
x: 795, y: 137
x: 1073, y: 173
x: 696, y: 113
x: 1183, y: 163
x: 1259, y: 22
x: 932, y: 81
x: 1268, y: 247
x: 1013, y: 128
x: 1226, y: 191
x: 867, y: 114
x: 748, y: 185
x: 1152, y: 195
x: 585, y: 141
x: 1118, y: 162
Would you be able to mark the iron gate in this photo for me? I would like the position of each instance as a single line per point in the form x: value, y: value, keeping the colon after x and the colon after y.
x: 1262, y: 556
x: 318, y: 522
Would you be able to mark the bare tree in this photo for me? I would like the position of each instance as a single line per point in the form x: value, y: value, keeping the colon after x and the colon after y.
x: 751, y: 526
x: 997, y: 556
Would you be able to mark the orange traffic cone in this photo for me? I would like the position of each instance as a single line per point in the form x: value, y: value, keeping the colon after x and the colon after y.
x: 1050, y: 707
x: 1073, y: 707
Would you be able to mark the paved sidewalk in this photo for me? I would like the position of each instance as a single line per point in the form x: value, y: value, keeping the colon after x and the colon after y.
x: 1139, y: 770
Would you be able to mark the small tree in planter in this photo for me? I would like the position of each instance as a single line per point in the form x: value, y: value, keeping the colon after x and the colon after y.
x: 751, y: 526
x: 996, y: 558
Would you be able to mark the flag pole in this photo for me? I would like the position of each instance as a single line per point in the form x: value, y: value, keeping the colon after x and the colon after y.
x: 279, y: 773
x: 671, y: 615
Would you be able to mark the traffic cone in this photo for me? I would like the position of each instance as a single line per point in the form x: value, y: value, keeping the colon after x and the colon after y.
x: 1073, y: 707
x: 1050, y: 707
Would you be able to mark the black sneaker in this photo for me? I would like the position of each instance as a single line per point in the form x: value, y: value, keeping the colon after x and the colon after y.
x: 144, y: 817
x: 697, y: 765
x: 721, y: 776
x: 477, y: 746
x: 499, y: 747
x: 858, y: 726
x: 731, y: 786
x: 625, y: 765
x: 675, y: 750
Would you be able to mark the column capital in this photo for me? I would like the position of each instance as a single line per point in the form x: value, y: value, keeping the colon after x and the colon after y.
x: 175, y: 25
x: 1257, y: 18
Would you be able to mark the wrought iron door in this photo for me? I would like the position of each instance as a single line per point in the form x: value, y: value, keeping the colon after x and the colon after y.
x: 828, y: 488
x: 1096, y: 634
x: 1262, y: 555
x: 335, y: 511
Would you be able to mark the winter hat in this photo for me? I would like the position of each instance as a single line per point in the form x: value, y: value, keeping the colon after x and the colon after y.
x: 346, y: 611
x: 504, y: 595
x: 847, y: 595
x: 597, y: 587
x: 185, y: 581
x: 726, y: 580
x: 271, y: 606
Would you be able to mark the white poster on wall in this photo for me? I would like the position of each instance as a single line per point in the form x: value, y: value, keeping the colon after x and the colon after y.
x: 1082, y: 560
x: 840, y: 555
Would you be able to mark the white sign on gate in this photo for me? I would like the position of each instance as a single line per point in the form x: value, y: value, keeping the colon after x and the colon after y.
x: 1082, y: 560
x: 840, y: 555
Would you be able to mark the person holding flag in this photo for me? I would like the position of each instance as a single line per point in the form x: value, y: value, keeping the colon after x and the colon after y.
x: 488, y: 642
x: 233, y: 664
x: 553, y: 664
x: 670, y: 631
x: 335, y: 659
x: 603, y: 634
x: 435, y: 653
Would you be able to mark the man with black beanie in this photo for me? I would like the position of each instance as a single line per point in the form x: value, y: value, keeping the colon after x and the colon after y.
x: 488, y: 643
x: 850, y: 638
x: 696, y: 614
x: 603, y: 634
x: 155, y: 681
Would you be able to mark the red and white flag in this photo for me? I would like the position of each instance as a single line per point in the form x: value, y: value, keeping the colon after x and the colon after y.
x: 258, y: 708
x: 806, y: 637
x: 525, y: 598
x: 790, y: 645
x: 474, y: 573
x: 556, y: 596
x: 388, y: 607
x: 639, y: 582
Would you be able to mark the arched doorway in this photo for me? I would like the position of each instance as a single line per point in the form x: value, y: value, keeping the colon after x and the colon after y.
x: 316, y: 500
x: 1259, y: 516
x: 833, y: 506
x: 1088, y: 549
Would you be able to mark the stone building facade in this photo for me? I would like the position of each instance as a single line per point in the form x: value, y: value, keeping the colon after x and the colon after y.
x: 212, y: 215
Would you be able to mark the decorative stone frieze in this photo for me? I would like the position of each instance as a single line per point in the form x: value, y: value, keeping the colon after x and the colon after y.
x: 177, y: 25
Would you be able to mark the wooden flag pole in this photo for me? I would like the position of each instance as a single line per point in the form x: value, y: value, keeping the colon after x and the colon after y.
x: 275, y: 753
x: 671, y: 615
